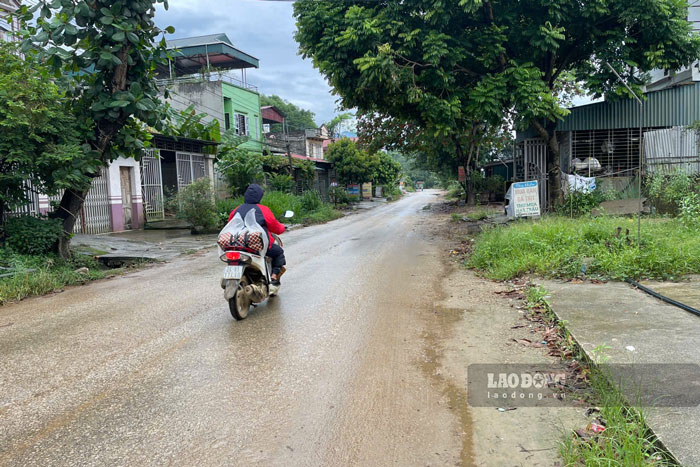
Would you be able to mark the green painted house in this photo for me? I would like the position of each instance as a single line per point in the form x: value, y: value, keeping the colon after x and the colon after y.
x: 209, y: 73
x: 242, y: 113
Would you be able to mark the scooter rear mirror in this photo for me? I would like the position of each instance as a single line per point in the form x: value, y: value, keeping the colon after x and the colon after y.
x: 289, y: 214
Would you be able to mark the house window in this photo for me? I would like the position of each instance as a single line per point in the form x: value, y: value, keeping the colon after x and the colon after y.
x: 241, y: 124
x: 227, y: 124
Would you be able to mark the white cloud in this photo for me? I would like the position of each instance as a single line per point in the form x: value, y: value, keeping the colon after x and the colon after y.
x: 265, y: 30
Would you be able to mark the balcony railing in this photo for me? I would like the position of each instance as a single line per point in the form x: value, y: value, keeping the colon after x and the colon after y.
x: 208, y: 77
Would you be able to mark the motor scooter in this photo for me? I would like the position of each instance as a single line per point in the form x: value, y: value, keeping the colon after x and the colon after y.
x: 246, y: 281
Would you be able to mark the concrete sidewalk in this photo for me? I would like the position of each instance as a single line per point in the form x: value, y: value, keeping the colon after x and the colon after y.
x: 161, y: 245
x: 639, y: 329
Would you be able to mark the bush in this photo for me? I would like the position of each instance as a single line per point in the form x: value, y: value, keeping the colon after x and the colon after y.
x: 455, y: 191
x: 32, y: 235
x: 308, y: 208
x: 579, y: 203
x: 195, y: 204
x: 281, y: 182
x: 495, y: 184
x: 239, y: 166
x: 224, y: 208
x: 310, y: 201
x: 392, y: 192
x: 666, y: 192
x: 690, y: 210
x: 338, y: 195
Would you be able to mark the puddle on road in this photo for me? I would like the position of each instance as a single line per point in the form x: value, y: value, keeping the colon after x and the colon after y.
x: 431, y: 366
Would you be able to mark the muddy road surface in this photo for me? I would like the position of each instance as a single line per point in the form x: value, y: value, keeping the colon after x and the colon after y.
x: 150, y: 368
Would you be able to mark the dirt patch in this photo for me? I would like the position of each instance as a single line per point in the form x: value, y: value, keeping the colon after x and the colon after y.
x: 483, y: 322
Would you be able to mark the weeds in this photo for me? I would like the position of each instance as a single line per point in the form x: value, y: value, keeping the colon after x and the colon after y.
x: 565, y: 248
x: 39, y: 275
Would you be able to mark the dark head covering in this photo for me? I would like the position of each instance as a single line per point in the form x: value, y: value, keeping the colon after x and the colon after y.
x: 253, y: 194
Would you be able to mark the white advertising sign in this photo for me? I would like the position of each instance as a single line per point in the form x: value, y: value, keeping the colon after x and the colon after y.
x: 526, y: 199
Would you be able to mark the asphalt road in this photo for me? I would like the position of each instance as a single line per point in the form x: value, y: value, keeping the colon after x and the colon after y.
x: 150, y: 368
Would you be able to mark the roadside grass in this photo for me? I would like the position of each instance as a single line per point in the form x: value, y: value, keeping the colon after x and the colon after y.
x: 626, y: 439
x: 478, y: 214
x: 39, y: 275
x: 557, y: 246
x: 308, y: 208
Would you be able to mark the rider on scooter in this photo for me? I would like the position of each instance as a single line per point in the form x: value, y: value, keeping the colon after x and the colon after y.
x: 267, y: 221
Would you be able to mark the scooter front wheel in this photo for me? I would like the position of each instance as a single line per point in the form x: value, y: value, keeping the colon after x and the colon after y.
x: 240, y: 303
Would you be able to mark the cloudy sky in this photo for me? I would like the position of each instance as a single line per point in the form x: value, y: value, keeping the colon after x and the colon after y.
x: 265, y: 30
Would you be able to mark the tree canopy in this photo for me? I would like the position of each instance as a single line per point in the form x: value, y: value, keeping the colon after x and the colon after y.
x: 105, y: 52
x: 39, y: 141
x: 296, y: 118
x: 453, y: 68
x: 350, y: 164
x: 387, y: 170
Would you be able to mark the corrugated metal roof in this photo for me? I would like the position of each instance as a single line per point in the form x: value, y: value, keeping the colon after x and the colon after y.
x: 192, y: 54
x: 679, y: 106
x: 199, y: 40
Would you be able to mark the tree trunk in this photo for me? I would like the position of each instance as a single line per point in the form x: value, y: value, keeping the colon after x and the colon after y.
x: 471, y: 195
x: 2, y: 222
x: 549, y: 135
x: 68, y: 211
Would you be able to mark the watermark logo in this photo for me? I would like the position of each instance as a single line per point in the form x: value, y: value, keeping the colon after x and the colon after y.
x: 552, y: 385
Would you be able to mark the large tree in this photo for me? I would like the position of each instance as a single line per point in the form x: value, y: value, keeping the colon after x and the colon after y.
x: 39, y: 144
x: 351, y: 165
x: 295, y: 117
x: 105, y: 52
x: 451, y: 67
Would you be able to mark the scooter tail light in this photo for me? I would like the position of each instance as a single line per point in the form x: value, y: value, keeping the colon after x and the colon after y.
x: 233, y: 255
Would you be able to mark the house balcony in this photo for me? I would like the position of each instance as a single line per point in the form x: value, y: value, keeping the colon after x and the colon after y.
x: 216, y: 77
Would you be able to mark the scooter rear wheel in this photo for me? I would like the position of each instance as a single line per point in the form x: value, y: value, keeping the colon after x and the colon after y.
x: 239, y: 304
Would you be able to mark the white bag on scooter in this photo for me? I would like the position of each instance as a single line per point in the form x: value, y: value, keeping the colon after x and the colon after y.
x: 238, y: 225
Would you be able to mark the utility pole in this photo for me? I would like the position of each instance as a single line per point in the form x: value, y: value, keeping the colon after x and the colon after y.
x: 289, y: 149
x: 641, y: 154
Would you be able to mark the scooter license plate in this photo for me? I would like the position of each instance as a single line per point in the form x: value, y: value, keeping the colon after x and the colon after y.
x: 233, y: 272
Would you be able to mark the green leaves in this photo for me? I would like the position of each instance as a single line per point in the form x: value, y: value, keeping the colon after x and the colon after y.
x: 444, y: 66
x: 38, y: 138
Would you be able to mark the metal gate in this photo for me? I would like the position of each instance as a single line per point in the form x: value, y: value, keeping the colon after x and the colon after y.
x: 184, y: 169
x: 190, y: 167
x: 152, y: 185
x: 96, y: 216
x: 531, y: 164
x: 198, y: 167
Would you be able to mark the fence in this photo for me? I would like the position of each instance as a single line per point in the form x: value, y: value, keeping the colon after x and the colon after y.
x: 152, y: 185
x: 531, y: 164
x: 672, y: 150
x: 95, y: 216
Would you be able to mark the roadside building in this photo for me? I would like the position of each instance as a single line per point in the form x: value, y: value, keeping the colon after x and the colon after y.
x: 304, y: 144
x: 603, y: 139
x: 201, y: 74
x: 8, y: 26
